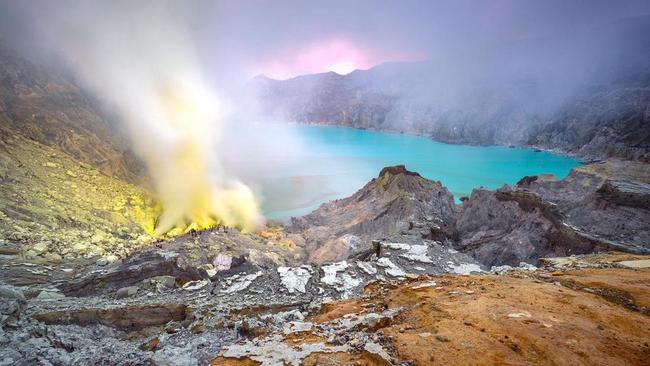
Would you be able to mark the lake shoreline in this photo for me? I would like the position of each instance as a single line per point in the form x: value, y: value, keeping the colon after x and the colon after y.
x: 360, y: 152
x: 573, y: 155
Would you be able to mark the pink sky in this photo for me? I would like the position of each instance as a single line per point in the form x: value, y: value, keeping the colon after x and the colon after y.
x: 337, y: 55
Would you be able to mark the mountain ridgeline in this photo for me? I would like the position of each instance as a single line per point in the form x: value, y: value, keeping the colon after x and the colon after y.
x: 585, y: 93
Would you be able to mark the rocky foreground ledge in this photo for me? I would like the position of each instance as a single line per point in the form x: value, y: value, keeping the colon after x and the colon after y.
x: 589, y: 309
x: 157, y: 307
x: 576, y: 310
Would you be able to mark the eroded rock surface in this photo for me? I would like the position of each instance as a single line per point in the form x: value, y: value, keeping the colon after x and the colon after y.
x: 397, y: 203
x: 450, y: 319
x: 590, y: 210
x: 52, y: 110
x: 192, y: 318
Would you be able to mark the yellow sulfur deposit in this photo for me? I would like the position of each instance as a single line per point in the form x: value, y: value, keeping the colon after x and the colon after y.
x: 50, y: 201
x: 182, y: 164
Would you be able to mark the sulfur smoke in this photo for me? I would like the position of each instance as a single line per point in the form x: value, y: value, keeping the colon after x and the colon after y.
x: 179, y: 146
x: 145, y: 67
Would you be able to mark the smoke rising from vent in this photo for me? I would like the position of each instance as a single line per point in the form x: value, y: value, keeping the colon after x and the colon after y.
x: 143, y: 65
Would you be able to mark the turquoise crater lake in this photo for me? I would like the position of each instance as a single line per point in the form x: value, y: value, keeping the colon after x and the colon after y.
x: 334, y: 162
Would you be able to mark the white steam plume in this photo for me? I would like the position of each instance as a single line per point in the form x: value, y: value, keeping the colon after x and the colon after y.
x: 142, y: 63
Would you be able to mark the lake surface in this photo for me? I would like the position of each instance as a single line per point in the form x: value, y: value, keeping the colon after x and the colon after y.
x: 305, y: 165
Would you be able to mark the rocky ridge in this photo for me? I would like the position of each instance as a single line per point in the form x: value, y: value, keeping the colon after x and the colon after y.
x: 596, y: 207
x: 394, y: 204
x: 596, y: 105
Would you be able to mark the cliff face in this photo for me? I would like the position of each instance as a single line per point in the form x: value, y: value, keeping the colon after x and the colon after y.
x: 597, y: 207
x: 53, y: 111
x: 587, y: 95
x: 66, y: 173
x: 610, y: 123
x: 53, y: 206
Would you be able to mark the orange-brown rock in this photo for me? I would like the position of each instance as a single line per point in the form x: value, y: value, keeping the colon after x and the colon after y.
x: 592, y: 316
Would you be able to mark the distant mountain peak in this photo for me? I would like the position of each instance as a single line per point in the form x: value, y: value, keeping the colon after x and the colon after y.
x: 261, y: 77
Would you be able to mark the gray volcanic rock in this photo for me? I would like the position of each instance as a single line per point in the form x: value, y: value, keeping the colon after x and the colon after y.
x: 192, y: 325
x: 596, y: 207
x: 510, y: 226
x: 185, y: 259
x: 51, y: 109
x: 606, y: 202
x: 215, y: 293
x: 626, y: 193
x: 12, y: 304
x: 613, y: 122
x: 396, y: 202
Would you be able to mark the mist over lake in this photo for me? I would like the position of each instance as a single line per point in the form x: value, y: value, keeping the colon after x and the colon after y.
x: 333, y: 162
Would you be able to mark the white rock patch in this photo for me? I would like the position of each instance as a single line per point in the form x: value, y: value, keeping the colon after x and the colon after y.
x: 295, y: 278
x: 195, y: 285
x: 344, y: 282
x: 375, y: 348
x: 425, y: 285
x: 294, y: 327
x: 464, y: 268
x: 241, y: 283
x: 330, y: 272
x: 397, y: 246
x: 367, y: 267
x: 417, y: 253
x: 273, y: 352
x: 391, y: 268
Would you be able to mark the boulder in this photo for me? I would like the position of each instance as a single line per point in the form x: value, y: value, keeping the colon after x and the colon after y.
x: 12, y: 304
x: 126, y: 292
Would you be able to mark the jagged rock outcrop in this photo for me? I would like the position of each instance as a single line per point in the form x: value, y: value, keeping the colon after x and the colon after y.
x: 12, y: 304
x: 510, y: 226
x: 397, y: 201
x: 626, y: 193
x: 604, y: 202
x: 590, y: 210
x: 596, y: 207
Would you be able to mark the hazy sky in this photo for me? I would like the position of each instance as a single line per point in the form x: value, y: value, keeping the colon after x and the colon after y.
x: 281, y: 39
